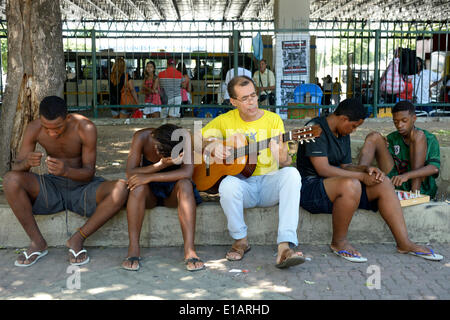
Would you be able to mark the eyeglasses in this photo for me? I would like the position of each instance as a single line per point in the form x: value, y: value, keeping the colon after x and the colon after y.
x: 247, y: 99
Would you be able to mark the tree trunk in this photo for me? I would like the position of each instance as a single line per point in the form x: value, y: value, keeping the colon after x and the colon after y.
x: 36, y: 69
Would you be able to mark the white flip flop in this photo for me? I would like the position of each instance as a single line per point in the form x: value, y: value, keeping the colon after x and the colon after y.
x: 428, y: 256
x: 353, y: 258
x: 27, y: 257
x: 76, y: 256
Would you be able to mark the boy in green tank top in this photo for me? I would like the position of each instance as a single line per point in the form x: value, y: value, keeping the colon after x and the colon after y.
x: 409, y: 156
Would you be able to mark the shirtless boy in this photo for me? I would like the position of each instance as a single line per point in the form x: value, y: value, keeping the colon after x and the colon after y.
x: 70, y: 141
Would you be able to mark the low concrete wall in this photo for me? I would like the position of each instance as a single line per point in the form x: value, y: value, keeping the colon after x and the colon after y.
x: 425, y: 222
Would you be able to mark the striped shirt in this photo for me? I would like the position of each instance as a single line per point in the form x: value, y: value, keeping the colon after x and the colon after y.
x: 170, y: 81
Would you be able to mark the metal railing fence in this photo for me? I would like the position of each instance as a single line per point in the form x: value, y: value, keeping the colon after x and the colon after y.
x: 355, y: 55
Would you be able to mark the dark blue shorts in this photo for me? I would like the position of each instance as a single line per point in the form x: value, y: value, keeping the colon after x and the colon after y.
x: 314, y: 198
x: 162, y: 190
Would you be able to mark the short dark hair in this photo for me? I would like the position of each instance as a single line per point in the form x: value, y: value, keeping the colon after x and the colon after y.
x: 53, y: 107
x: 163, y: 135
x: 404, y: 106
x: 352, y: 108
x: 241, y: 81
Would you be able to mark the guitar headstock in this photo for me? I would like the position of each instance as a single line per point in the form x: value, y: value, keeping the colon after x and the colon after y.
x: 306, y: 134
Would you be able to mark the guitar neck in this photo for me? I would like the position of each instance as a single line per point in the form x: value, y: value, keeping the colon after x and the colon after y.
x: 264, y: 144
x: 260, y: 145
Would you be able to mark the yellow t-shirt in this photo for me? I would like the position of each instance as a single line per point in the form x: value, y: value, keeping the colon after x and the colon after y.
x: 269, y: 125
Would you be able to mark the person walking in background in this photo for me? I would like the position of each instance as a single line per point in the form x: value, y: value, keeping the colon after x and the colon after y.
x: 150, y: 87
x: 170, y: 80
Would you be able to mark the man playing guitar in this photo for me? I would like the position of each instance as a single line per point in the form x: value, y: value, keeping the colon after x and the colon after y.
x: 273, y: 180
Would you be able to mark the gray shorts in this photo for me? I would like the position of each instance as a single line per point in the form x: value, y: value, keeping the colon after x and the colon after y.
x: 59, y: 194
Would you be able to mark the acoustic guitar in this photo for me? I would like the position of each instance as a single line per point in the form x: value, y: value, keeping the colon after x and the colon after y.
x: 208, y: 175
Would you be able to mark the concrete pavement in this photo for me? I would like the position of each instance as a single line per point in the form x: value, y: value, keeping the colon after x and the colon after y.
x: 387, y: 276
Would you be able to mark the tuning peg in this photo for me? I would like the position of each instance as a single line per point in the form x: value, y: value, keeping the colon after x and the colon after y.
x: 301, y: 142
x: 313, y: 140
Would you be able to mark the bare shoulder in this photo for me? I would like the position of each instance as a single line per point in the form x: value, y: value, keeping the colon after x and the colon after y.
x: 84, y: 126
x: 82, y: 120
x: 33, y: 129
x: 34, y: 126
x: 143, y: 133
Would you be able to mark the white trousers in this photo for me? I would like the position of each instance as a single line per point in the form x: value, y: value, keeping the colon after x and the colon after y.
x: 172, y: 111
x: 281, y: 186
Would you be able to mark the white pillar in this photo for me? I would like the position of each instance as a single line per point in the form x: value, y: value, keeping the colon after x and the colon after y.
x: 291, y: 14
x: 291, y: 49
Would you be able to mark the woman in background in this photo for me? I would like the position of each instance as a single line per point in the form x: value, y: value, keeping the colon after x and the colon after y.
x: 185, y: 87
x: 150, y: 87
x: 117, y: 82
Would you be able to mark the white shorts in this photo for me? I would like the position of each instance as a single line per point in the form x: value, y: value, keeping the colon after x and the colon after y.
x: 173, y: 112
x: 151, y: 108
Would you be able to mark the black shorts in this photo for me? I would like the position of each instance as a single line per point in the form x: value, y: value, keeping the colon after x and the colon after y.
x: 57, y: 194
x: 162, y: 190
x: 314, y: 198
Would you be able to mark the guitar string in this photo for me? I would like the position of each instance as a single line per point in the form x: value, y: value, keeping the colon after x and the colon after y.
x: 264, y: 144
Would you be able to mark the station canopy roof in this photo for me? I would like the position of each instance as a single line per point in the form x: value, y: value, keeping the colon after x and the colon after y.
x: 220, y: 10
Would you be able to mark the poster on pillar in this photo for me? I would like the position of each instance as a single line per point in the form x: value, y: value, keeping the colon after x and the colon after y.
x: 292, y: 61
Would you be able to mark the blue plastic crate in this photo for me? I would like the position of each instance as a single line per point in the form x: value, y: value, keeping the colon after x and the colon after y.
x: 206, y: 112
x: 314, y: 91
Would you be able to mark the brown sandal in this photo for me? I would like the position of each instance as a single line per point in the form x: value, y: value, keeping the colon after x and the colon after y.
x: 289, y: 258
x: 239, y: 249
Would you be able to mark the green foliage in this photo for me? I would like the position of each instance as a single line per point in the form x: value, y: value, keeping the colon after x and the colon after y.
x: 294, y: 159
x: 4, y: 44
x: 83, y: 45
x: 443, y: 132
